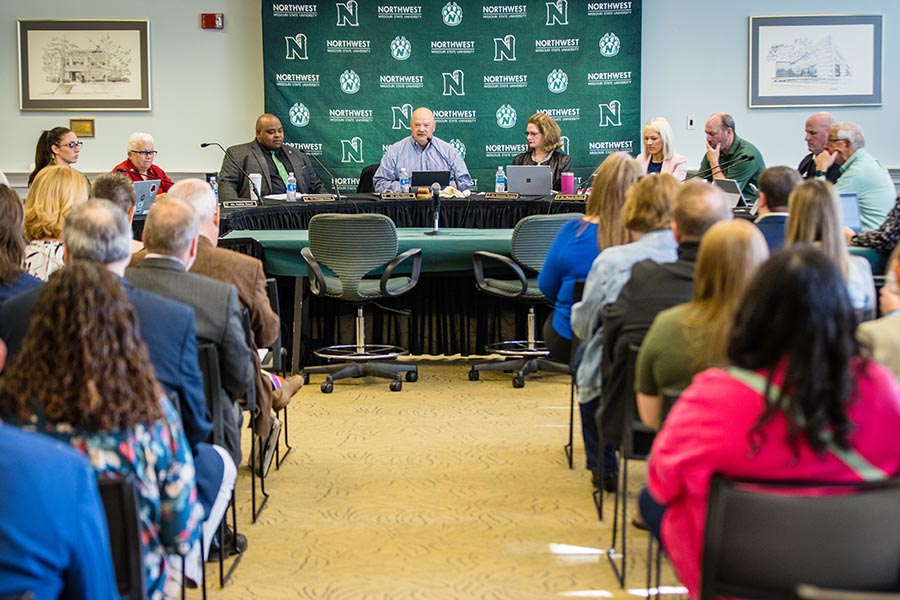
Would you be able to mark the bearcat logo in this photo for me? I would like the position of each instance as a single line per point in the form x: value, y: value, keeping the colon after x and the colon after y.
x: 349, y: 81
x: 506, y: 116
x: 296, y: 47
x: 557, y: 81
x: 610, y: 45
x: 347, y: 13
x: 505, y: 48
x: 400, y: 48
x: 459, y: 146
x: 452, y: 14
x: 299, y: 115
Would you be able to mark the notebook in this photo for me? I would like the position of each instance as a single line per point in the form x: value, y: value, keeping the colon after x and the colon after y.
x: 426, y: 178
x: 528, y: 180
x: 732, y: 191
x: 145, y: 193
x: 850, y: 211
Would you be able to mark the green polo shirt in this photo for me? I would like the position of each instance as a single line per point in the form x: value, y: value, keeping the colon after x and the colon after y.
x: 744, y: 172
x: 864, y: 176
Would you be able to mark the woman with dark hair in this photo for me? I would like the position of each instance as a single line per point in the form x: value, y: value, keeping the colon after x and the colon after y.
x: 544, y: 139
x: 83, y: 377
x: 13, y: 279
x: 58, y: 146
x: 799, y: 395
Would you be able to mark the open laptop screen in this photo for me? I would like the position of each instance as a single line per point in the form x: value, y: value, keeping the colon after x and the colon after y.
x: 426, y: 178
x: 528, y: 180
x: 145, y: 193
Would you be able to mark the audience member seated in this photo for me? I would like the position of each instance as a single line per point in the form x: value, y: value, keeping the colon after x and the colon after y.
x: 689, y: 338
x: 884, y: 239
x: 816, y: 219
x: 883, y: 335
x: 647, y: 216
x: 138, y: 166
x: 658, y: 155
x: 817, y: 127
x: 775, y: 185
x: 544, y: 139
x: 724, y: 152
x: 50, y: 198
x: 13, y: 280
x: 653, y: 287
x: 96, y: 390
x: 118, y: 189
x: 58, y: 146
x: 793, y: 337
x: 861, y: 173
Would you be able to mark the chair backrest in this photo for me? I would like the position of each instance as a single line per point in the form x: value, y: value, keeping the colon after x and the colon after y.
x: 352, y: 246
x: 636, y: 437
x: 244, y: 245
x: 120, y: 502
x: 533, y: 236
x: 765, y: 538
x: 250, y: 400
x: 276, y: 349
x: 366, y: 183
x: 208, y: 359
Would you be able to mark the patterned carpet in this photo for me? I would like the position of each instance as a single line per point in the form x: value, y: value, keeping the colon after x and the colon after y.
x: 447, y: 489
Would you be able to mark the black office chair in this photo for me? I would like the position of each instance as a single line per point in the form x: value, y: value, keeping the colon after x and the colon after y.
x: 764, y: 538
x: 531, y: 239
x: 349, y: 247
x: 121, y: 504
x: 366, y: 183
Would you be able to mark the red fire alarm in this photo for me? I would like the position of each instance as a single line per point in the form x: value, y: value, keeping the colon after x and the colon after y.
x: 212, y: 21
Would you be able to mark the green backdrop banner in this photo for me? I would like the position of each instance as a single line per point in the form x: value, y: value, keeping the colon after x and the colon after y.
x: 344, y: 77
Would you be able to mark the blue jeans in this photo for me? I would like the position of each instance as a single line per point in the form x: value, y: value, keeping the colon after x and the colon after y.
x: 652, y: 512
x: 591, y: 439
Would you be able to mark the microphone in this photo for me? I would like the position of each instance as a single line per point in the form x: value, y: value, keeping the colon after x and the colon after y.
x: 161, y: 178
x: 722, y: 166
x: 337, y: 190
x: 234, y: 162
x: 436, y: 207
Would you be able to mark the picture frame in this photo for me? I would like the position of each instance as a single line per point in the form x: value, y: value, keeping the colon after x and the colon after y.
x: 815, y: 60
x: 83, y: 128
x: 84, y: 65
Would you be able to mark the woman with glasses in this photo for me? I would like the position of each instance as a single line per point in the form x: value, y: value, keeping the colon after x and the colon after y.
x: 139, y: 165
x: 58, y: 146
x: 544, y: 140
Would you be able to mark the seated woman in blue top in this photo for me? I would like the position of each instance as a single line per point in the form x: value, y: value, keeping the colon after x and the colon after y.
x: 578, y: 243
x: 544, y: 140
x: 13, y: 279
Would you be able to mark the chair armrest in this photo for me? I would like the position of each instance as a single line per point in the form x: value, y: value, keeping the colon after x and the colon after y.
x: 416, y: 255
x: 477, y: 258
x: 316, y: 277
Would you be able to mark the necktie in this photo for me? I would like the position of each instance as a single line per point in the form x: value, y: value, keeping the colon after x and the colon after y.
x: 282, y: 172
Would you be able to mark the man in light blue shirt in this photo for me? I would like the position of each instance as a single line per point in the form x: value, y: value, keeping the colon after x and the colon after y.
x: 421, y: 152
x: 861, y: 173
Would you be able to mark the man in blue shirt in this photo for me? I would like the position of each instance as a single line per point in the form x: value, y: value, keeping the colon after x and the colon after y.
x: 421, y: 152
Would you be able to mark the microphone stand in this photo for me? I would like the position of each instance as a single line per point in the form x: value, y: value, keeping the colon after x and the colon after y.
x: 163, y: 179
x: 436, y: 207
x: 253, y: 187
x: 450, y: 165
x: 722, y: 166
x: 334, y: 185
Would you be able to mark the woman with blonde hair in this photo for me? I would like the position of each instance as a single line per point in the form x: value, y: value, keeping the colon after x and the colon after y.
x: 54, y: 192
x: 814, y: 218
x: 658, y: 156
x: 544, y: 139
x: 691, y: 337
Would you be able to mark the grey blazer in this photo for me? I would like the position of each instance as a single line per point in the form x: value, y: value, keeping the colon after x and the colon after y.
x: 218, y: 320
x: 233, y: 184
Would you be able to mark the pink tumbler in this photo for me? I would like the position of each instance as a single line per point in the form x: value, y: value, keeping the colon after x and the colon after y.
x: 567, y: 183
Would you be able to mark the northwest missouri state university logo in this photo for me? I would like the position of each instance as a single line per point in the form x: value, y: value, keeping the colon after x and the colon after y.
x: 400, y: 116
x: 299, y: 115
x: 349, y: 81
x: 505, y: 48
x: 454, y: 83
x: 506, y: 116
x: 611, y: 114
x: 459, y: 146
x: 347, y: 13
x: 401, y: 49
x: 352, y: 150
x: 557, y: 81
x: 296, y: 47
x: 558, y: 13
x: 610, y: 45
x: 452, y: 14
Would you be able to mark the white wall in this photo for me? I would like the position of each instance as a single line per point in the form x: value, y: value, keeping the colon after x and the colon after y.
x: 207, y: 85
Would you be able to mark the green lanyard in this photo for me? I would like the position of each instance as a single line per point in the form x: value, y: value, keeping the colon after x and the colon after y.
x: 853, y: 459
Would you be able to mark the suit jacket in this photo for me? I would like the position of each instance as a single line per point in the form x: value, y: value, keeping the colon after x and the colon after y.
x: 218, y: 320
x: 675, y: 166
x: 883, y: 336
x: 233, y: 183
x: 807, y: 168
x: 774, y: 229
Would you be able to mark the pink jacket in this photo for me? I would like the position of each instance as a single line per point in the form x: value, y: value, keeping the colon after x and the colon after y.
x: 707, y: 432
x: 677, y: 165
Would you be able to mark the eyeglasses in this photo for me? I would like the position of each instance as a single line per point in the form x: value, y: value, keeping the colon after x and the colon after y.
x: 836, y: 140
x: 532, y: 133
x: 71, y: 145
x: 145, y: 153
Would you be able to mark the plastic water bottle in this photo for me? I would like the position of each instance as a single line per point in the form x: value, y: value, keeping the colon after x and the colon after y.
x: 500, y: 180
x: 291, y: 187
x: 215, y: 187
x: 404, y: 180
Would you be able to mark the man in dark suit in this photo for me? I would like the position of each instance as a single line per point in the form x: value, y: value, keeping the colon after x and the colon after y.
x: 817, y: 127
x: 268, y: 156
x: 775, y: 186
x: 170, y: 237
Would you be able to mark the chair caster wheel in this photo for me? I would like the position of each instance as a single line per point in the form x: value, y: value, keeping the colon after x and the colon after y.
x: 327, y: 387
x: 473, y: 375
x: 518, y: 381
x: 396, y: 385
x: 412, y: 376
x: 306, y: 379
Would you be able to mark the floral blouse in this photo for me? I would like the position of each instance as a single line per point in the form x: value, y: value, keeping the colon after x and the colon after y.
x: 160, y: 460
x: 42, y: 257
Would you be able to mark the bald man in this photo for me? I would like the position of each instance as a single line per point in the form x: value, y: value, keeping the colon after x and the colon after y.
x: 421, y: 151
x: 817, y: 127
x: 268, y: 156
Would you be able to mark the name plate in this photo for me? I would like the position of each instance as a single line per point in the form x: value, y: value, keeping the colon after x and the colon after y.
x: 239, y: 204
x: 317, y: 197
x: 576, y: 197
x: 398, y: 196
x: 501, y: 195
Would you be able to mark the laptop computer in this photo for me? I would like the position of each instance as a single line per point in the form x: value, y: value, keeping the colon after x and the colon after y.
x: 528, y: 180
x: 850, y: 212
x: 426, y: 178
x: 145, y: 193
x: 732, y: 191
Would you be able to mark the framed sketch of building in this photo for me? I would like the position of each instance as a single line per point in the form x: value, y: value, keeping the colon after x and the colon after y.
x: 84, y: 65
x: 819, y: 60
